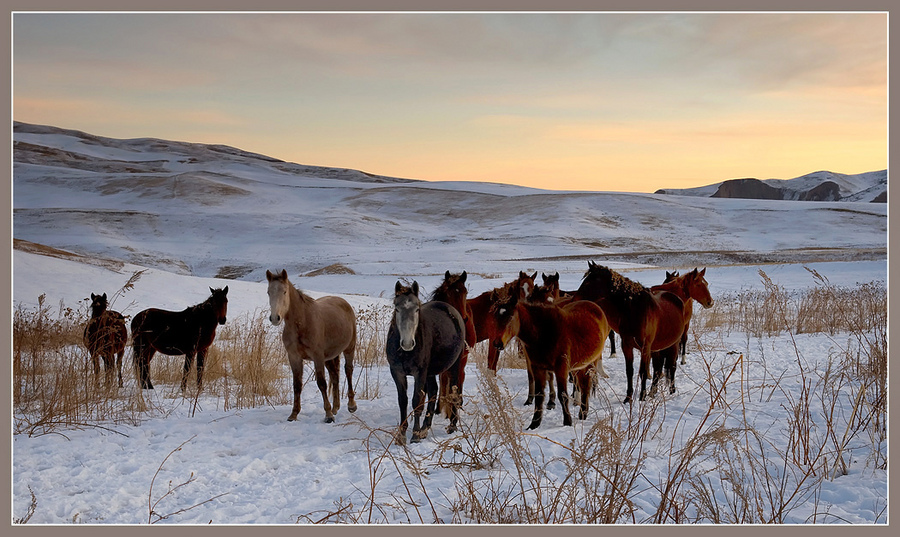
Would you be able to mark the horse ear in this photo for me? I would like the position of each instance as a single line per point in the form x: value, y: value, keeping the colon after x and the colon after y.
x: 415, y: 288
x: 397, y: 288
x: 225, y: 291
x: 534, y: 276
x: 284, y: 274
x: 703, y: 272
x: 463, y: 276
x: 269, y: 275
x: 104, y: 296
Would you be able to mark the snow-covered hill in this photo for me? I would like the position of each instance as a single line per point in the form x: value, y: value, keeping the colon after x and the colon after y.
x: 821, y: 185
x: 209, y: 211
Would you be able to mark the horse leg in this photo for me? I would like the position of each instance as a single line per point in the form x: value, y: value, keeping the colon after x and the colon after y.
x: 109, y: 362
x: 493, y: 356
x: 672, y: 364
x: 403, y: 401
x: 530, y: 399
x: 659, y: 364
x: 418, y: 403
x: 141, y: 354
x: 563, y: 389
x: 684, y: 338
x: 297, y: 373
x: 201, y: 365
x: 119, y: 356
x: 323, y: 389
x: 612, y: 344
x: 584, y: 378
x: 188, y: 363
x: 334, y: 382
x: 644, y: 371
x: 431, y: 389
x: 540, y: 378
x: 628, y: 351
x: 348, y: 372
x: 551, y: 395
x: 455, y: 399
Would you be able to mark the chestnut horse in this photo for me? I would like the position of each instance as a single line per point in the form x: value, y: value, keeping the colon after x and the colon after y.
x: 480, y: 310
x: 558, y: 340
x: 453, y: 291
x: 105, y: 335
x: 423, y: 341
x: 646, y: 319
x: 318, y: 330
x: 549, y: 292
x: 189, y: 332
x: 689, y: 287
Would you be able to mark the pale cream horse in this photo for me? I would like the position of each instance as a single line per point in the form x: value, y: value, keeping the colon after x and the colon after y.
x: 317, y: 330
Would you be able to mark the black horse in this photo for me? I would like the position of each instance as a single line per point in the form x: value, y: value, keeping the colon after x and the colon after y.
x: 189, y: 332
x: 423, y: 341
x: 105, y: 336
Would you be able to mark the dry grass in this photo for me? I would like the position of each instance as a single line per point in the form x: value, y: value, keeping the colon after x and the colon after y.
x: 726, y: 472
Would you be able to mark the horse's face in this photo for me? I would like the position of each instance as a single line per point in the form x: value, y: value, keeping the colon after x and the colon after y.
x: 506, y: 317
x: 597, y: 283
x: 279, y: 299
x: 453, y: 290
x: 98, y: 304
x: 219, y: 300
x: 698, y: 288
x: 547, y: 293
x: 526, y: 284
x: 406, y: 314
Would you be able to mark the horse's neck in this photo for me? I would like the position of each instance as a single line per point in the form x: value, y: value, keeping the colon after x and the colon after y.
x: 300, y: 307
x: 534, y: 319
x: 678, y: 288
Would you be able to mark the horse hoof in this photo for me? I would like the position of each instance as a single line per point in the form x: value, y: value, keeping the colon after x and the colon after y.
x: 351, y: 408
x: 329, y: 420
x: 627, y: 400
x: 451, y: 429
x: 292, y: 417
x: 551, y: 406
x: 534, y: 425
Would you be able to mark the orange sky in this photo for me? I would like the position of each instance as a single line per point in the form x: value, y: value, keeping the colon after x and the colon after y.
x: 586, y: 101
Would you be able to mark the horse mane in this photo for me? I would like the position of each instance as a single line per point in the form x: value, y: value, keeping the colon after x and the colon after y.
x: 444, y: 287
x: 619, y: 285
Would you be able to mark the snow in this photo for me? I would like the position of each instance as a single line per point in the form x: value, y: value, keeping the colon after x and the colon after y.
x: 250, y: 466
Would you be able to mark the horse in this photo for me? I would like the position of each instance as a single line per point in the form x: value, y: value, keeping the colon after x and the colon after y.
x: 319, y: 330
x: 423, y: 341
x: 189, y: 332
x: 549, y: 292
x: 559, y: 340
x: 453, y: 291
x: 483, y: 321
x: 646, y: 319
x: 689, y: 287
x: 105, y: 335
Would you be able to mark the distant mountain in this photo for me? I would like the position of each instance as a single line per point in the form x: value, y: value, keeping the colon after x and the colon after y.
x: 817, y: 186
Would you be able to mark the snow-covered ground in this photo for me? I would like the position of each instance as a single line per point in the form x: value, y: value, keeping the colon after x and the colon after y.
x: 193, y: 218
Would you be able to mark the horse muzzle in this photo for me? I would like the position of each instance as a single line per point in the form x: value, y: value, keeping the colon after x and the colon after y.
x: 407, y: 345
x: 275, y: 319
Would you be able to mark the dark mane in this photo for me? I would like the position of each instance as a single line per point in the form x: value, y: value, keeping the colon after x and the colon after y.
x: 619, y: 285
x: 444, y: 288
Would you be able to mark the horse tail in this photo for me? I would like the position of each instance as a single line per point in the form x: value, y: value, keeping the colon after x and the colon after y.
x: 444, y: 395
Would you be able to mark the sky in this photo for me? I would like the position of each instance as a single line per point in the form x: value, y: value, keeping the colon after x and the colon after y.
x: 576, y: 101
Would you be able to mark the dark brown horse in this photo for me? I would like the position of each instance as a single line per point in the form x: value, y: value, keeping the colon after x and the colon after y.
x: 453, y: 291
x: 480, y: 309
x: 646, y: 319
x: 689, y: 287
x: 558, y: 340
x: 105, y: 336
x: 189, y: 332
x: 549, y: 292
x: 423, y: 341
x: 317, y: 330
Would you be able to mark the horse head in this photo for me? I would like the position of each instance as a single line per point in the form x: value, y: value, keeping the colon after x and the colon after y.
x: 526, y: 284
x: 503, y: 310
x: 547, y: 293
x: 98, y: 304
x: 279, y: 297
x: 406, y: 313
x: 597, y: 282
x: 219, y: 301
x: 697, y: 287
x: 453, y: 290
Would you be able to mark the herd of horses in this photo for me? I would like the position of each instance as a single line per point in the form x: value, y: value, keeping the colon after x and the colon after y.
x: 562, y: 336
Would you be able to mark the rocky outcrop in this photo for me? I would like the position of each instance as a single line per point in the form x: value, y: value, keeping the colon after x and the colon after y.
x: 748, y: 189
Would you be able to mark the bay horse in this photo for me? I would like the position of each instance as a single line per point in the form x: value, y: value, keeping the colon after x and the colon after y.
x: 189, y: 332
x: 453, y: 291
x: 549, y: 292
x: 319, y: 330
x: 480, y: 308
x: 559, y: 340
x: 423, y: 341
x: 646, y: 319
x: 689, y: 287
x: 105, y: 336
